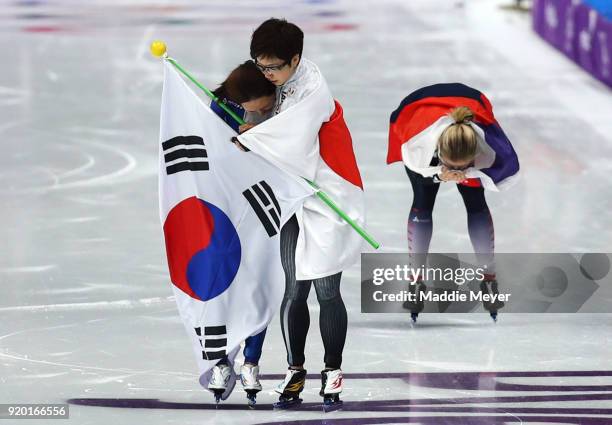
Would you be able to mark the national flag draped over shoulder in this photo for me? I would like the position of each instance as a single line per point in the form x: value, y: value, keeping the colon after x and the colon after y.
x: 418, y: 122
x: 221, y: 210
x: 311, y: 140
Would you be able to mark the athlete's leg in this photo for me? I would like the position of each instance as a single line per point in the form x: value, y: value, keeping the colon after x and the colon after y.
x: 482, y: 235
x: 420, y: 225
x: 332, y: 319
x: 480, y: 225
x: 294, y: 316
x: 252, y: 348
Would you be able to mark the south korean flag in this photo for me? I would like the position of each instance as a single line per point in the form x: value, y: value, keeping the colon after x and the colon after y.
x: 263, y: 201
x: 221, y: 210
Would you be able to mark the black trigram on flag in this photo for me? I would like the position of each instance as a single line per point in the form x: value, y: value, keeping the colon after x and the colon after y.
x: 265, y: 205
x: 213, y: 342
x: 182, y: 153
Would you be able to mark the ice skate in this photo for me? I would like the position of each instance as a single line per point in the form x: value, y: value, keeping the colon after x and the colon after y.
x: 417, y: 305
x: 331, y: 387
x: 249, y: 378
x: 489, y: 286
x: 290, y: 389
x: 222, y: 381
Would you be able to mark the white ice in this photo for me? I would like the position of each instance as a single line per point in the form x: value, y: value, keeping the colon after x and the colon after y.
x: 86, y: 310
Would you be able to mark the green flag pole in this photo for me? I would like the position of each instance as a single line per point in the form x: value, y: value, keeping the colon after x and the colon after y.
x: 158, y: 49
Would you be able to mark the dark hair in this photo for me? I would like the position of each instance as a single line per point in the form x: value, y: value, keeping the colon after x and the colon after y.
x: 245, y: 83
x: 277, y: 37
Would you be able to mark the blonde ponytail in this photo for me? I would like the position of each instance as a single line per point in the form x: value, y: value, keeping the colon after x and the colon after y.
x: 458, y: 142
x: 462, y: 115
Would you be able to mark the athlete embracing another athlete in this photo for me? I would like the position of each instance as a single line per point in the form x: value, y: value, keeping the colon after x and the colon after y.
x: 307, y: 137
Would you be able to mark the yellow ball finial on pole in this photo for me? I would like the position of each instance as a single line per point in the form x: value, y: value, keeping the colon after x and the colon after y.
x: 158, y: 48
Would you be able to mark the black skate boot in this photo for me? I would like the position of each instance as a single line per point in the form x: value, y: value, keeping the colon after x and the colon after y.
x: 489, y: 286
x: 290, y: 389
x: 331, y: 387
x: 415, y: 305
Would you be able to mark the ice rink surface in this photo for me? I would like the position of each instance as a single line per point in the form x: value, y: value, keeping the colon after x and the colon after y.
x: 86, y: 312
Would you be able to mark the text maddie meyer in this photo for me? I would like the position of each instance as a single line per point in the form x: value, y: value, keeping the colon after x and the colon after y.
x: 448, y: 296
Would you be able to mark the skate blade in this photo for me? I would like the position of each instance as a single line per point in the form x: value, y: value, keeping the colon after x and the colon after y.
x: 332, y: 406
x: 251, y: 401
x: 217, y: 393
x: 287, y: 404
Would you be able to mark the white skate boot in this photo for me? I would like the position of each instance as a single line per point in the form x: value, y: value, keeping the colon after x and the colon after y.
x: 290, y: 389
x: 249, y: 377
x: 331, y: 387
x: 222, y: 381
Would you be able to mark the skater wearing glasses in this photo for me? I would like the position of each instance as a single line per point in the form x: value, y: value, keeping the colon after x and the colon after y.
x: 316, y: 245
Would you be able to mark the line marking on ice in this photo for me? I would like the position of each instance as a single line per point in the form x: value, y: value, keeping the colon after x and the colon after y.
x: 91, y: 305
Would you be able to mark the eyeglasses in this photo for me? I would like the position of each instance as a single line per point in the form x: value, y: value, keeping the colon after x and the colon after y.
x: 270, y: 68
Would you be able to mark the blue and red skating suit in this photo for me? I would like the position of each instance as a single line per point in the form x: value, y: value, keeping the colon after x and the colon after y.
x: 221, y: 113
x: 425, y: 106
